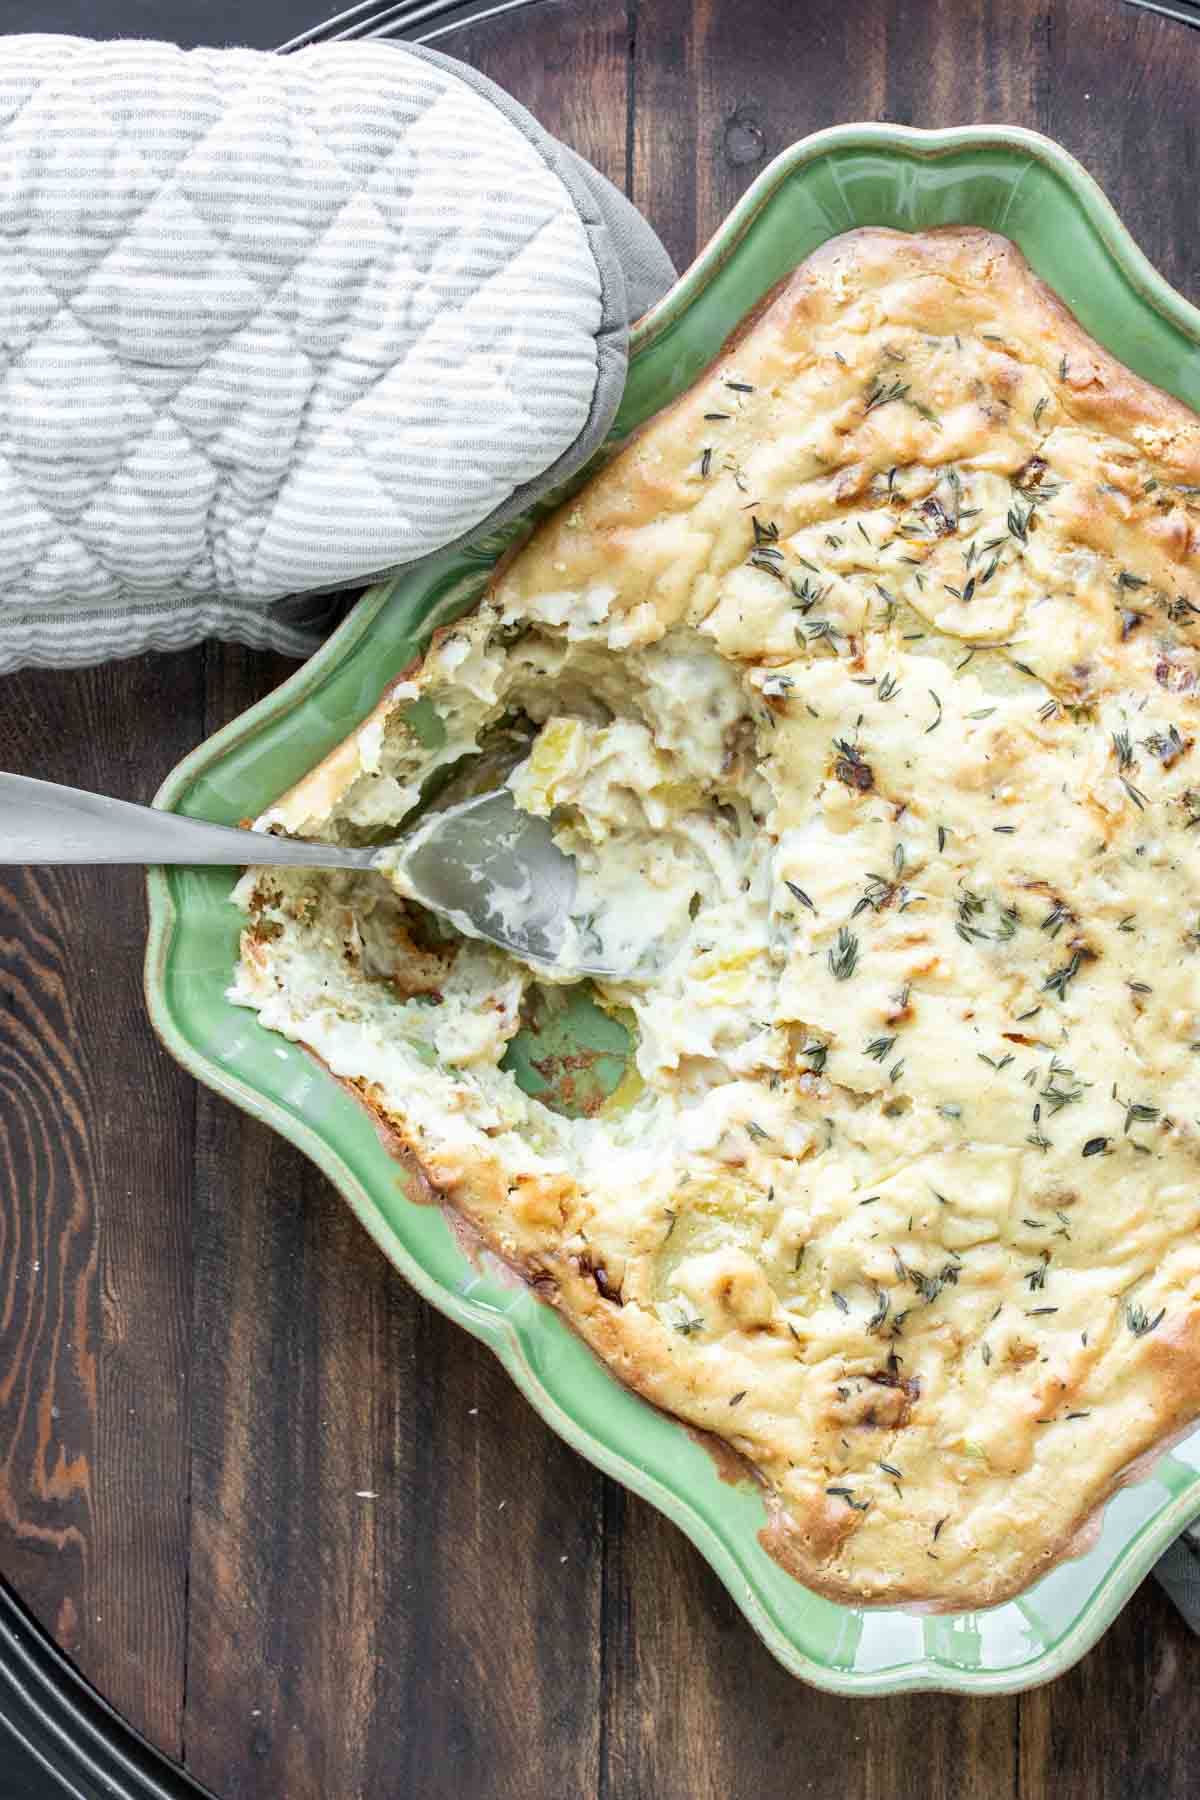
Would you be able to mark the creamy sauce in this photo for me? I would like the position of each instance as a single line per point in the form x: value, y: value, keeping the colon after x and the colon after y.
x: 869, y: 717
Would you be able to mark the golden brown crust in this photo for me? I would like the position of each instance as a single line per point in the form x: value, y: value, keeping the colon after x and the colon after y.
x: 1096, y: 388
x: 803, y: 1544
x: 1099, y: 387
x: 965, y: 1427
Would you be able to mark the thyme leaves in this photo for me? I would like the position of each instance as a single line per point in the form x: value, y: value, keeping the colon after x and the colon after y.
x: 843, y: 955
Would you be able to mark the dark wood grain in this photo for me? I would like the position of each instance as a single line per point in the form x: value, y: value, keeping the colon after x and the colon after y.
x: 288, y: 1518
x: 442, y: 1636
x: 395, y: 1566
x: 96, y: 1132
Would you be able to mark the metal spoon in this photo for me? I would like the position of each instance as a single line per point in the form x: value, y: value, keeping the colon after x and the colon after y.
x: 489, y: 869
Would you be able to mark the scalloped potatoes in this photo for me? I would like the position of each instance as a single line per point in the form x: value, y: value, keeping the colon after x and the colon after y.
x: 864, y: 678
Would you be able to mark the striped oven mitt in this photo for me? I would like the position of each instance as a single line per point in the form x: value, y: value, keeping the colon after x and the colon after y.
x: 273, y: 325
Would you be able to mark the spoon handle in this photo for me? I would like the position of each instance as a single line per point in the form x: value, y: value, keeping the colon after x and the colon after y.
x: 41, y: 822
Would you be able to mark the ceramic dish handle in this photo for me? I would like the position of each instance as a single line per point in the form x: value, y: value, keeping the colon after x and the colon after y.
x: 41, y: 822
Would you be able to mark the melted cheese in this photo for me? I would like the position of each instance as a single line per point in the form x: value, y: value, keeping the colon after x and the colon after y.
x: 864, y: 681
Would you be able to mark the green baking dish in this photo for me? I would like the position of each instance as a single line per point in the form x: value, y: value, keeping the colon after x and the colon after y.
x: 1012, y: 181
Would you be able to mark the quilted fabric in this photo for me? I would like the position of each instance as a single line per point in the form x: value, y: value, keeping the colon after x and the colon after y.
x: 269, y: 324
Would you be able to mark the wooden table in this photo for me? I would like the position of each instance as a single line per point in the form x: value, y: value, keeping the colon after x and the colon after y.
x: 205, y: 1364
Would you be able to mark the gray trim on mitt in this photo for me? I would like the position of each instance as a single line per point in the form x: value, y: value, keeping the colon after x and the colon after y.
x: 606, y: 216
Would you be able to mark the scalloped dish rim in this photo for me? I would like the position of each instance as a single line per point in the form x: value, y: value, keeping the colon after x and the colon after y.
x: 511, y: 1334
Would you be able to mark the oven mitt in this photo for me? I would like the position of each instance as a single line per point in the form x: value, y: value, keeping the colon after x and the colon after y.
x: 272, y: 325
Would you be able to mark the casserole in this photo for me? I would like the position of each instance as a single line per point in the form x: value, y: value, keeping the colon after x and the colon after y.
x: 1007, y: 180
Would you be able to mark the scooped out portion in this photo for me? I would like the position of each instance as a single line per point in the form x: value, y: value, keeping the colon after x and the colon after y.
x: 862, y: 687
x: 632, y: 826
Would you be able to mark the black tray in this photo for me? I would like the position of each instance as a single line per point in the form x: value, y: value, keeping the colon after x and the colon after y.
x: 59, y: 1738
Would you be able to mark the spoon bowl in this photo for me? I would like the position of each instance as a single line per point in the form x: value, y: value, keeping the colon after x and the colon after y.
x: 490, y: 870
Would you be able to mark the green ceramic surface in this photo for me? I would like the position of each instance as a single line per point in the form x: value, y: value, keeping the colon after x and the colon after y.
x: 1012, y: 181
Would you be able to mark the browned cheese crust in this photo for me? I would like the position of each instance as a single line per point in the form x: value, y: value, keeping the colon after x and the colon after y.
x: 916, y: 1233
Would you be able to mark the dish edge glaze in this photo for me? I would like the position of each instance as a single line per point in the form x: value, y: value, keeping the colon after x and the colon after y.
x: 861, y: 174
